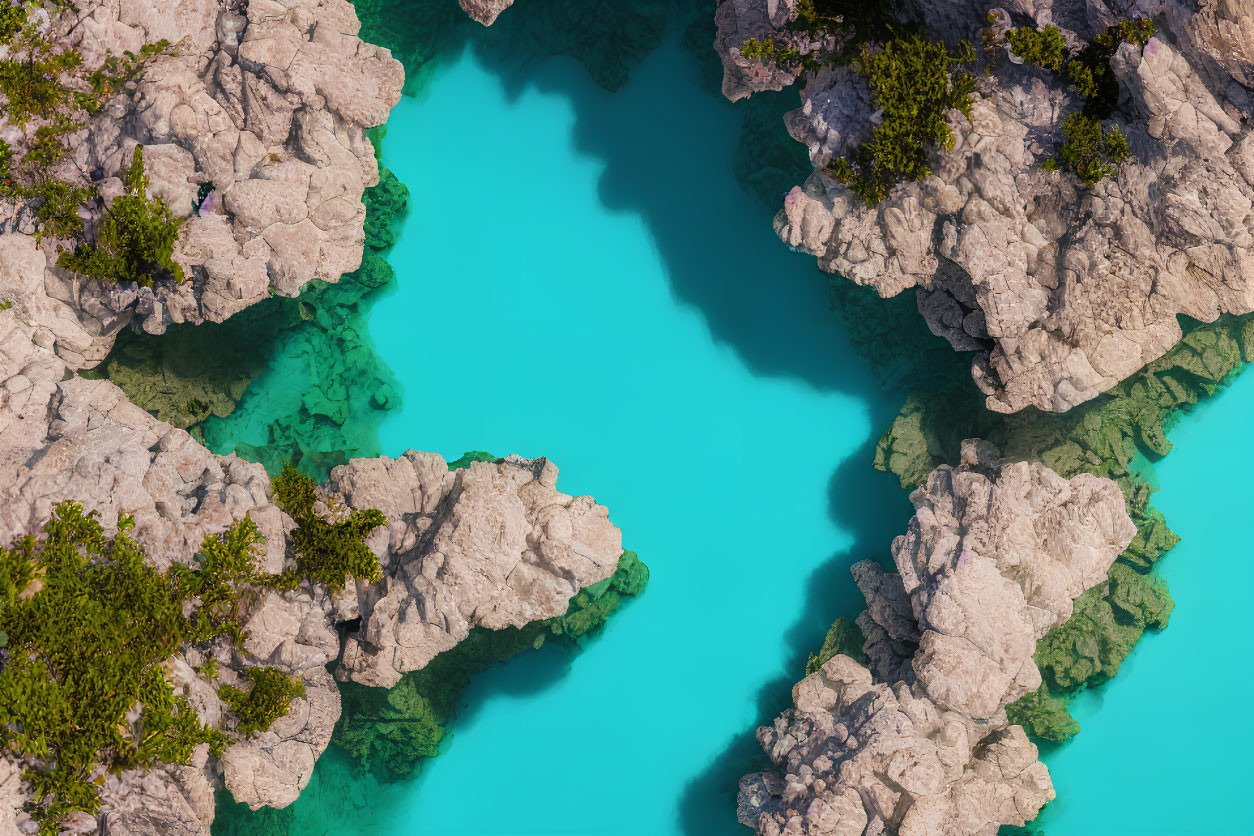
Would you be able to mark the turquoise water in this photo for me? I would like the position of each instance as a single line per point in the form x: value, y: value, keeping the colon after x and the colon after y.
x: 581, y: 278
x: 1165, y: 746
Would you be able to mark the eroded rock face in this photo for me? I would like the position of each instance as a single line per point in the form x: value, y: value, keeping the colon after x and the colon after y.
x: 485, y: 11
x: 993, y: 558
x: 1063, y: 290
x: 264, y: 109
x: 491, y: 545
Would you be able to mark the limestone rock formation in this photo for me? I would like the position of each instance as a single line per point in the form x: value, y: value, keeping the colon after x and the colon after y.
x: 1063, y: 290
x: 490, y: 545
x: 485, y: 11
x: 262, y: 111
x: 994, y: 557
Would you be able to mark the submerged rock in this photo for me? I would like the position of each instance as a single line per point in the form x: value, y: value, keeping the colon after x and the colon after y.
x: 994, y: 557
x: 1063, y: 291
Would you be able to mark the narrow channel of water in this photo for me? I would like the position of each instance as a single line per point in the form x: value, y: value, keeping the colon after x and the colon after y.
x: 581, y: 277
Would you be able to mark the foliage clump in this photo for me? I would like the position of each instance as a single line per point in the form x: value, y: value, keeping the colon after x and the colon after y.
x: 843, y: 637
x: 135, y: 239
x: 88, y: 624
x: 1091, y: 149
x: 49, y: 87
x: 1042, y: 47
x: 269, y: 698
x: 914, y: 84
x: 328, y: 548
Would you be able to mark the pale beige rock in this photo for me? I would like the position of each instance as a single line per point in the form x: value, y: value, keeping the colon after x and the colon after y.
x: 993, y: 558
x: 491, y: 545
x: 1063, y: 290
x: 485, y: 11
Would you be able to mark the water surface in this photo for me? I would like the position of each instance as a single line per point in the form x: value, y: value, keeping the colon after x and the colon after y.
x: 582, y: 278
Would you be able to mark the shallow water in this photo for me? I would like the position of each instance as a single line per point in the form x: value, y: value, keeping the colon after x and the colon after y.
x: 1165, y: 746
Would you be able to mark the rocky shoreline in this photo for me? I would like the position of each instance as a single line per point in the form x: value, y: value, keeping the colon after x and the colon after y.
x: 253, y: 128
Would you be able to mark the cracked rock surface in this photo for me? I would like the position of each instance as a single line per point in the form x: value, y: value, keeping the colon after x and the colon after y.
x: 1063, y: 291
x: 263, y: 111
x: 919, y: 744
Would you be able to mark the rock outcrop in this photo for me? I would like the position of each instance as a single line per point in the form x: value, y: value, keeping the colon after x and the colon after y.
x: 1064, y: 291
x: 262, y: 111
x: 494, y: 545
x: 490, y: 545
x: 920, y: 744
x: 485, y: 11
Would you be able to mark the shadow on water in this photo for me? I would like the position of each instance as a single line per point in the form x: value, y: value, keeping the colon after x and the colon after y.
x: 721, y: 259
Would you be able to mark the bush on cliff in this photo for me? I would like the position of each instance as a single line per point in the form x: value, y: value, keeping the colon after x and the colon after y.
x: 914, y: 84
x: 329, y: 546
x: 88, y: 625
x: 269, y: 698
x: 135, y: 240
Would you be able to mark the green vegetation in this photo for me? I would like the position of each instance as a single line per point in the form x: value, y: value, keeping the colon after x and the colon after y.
x: 845, y: 637
x: 50, y: 88
x: 1090, y: 149
x: 1042, y: 47
x: 914, y: 84
x: 135, y: 240
x: 392, y: 730
x: 269, y: 698
x: 328, y: 548
x: 88, y: 624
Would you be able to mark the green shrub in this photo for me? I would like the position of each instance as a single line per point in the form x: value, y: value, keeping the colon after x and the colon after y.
x: 12, y: 20
x: 1090, y: 71
x: 269, y: 698
x: 1044, y: 48
x: 88, y: 625
x: 845, y: 637
x: 135, y: 240
x: 328, y: 550
x: 914, y: 83
x: 1091, y: 150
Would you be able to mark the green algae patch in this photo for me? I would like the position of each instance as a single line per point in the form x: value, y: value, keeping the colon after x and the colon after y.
x: 470, y: 457
x: 1103, y: 437
x: 390, y: 731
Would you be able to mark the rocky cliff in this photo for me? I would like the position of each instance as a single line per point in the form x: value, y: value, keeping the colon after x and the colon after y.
x: 919, y: 743
x: 253, y: 129
x: 1062, y: 290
